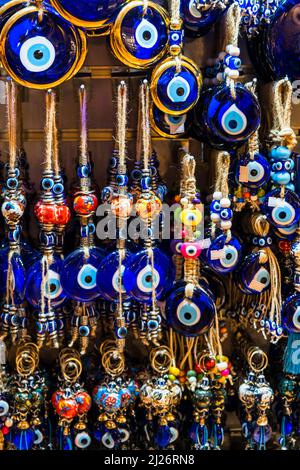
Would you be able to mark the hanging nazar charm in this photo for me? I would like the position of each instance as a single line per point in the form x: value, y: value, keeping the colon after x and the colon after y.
x: 176, y: 81
x: 111, y: 270
x: 43, y: 285
x: 13, y: 319
x: 80, y: 267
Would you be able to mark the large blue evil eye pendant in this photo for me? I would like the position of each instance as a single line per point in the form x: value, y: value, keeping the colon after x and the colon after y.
x: 140, y: 278
x: 199, y: 17
x: 190, y: 316
x: 41, y: 50
x: 253, y: 275
x: 252, y: 172
x: 88, y: 14
x: 17, y: 275
x: 224, y: 256
x: 291, y: 313
x: 167, y: 125
x: 79, y: 276
x: 139, y: 34
x: 281, y: 212
x: 109, y: 277
x: 232, y: 120
x: 52, y: 291
x: 175, y: 90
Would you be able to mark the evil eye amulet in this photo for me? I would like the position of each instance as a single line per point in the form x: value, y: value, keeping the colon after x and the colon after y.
x: 18, y: 276
x: 232, y: 120
x: 109, y: 278
x: 41, y: 51
x: 167, y: 125
x: 53, y: 290
x: 223, y: 256
x: 190, y: 316
x: 80, y: 273
x: 174, y: 91
x: 139, y: 38
x: 291, y: 313
x: 89, y: 14
x: 199, y: 17
x: 281, y: 212
x: 252, y: 172
x: 139, y: 280
x: 253, y: 276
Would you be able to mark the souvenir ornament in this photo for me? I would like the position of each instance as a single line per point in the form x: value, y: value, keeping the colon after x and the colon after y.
x: 79, y: 273
x: 199, y: 16
x: 87, y: 14
x: 176, y: 81
x: 71, y: 402
x: 41, y: 60
x: 167, y: 125
x: 139, y: 34
x: 13, y: 318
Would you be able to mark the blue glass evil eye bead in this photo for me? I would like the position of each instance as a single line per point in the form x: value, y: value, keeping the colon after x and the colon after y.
x: 53, y: 289
x: 290, y: 313
x: 176, y: 92
x: 89, y: 14
x: 190, y: 316
x: 199, y: 17
x: 223, y: 257
x: 252, y: 172
x: 253, y: 276
x: 232, y: 120
x: 79, y: 275
x: 18, y: 275
x: 109, y: 278
x: 139, y: 38
x: 41, y: 52
x: 138, y: 275
x: 281, y: 212
x: 167, y: 125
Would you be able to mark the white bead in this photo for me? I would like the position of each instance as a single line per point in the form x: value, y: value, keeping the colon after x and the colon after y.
x: 233, y: 73
x: 233, y: 50
x: 192, y: 379
x: 184, y: 201
x: 225, y: 202
x: 222, y: 365
x: 226, y: 224
x: 217, y: 195
x: 214, y: 217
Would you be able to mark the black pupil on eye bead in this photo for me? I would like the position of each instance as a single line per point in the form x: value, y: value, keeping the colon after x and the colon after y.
x: 282, y: 215
x: 84, y: 440
x: 38, y: 54
x: 146, y: 35
x: 264, y: 280
x: 52, y: 287
x: 232, y: 124
x: 229, y: 256
x: 187, y: 316
x: 88, y: 279
x: 148, y: 278
x: 253, y: 172
x: 180, y: 91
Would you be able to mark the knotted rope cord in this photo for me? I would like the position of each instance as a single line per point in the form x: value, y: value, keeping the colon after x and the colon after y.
x: 145, y: 7
x: 232, y: 28
x: 221, y: 184
x: 39, y: 5
x: 176, y: 23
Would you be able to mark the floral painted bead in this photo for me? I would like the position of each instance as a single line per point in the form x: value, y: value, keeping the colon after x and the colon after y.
x: 12, y: 211
x: 148, y: 208
x: 85, y: 204
x: 65, y: 407
x: 121, y: 205
x: 83, y: 401
x: 45, y: 213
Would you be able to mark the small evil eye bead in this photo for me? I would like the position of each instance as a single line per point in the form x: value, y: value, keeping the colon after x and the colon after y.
x: 47, y: 184
x: 84, y: 231
x: 83, y: 171
x: 215, y: 206
x: 136, y: 174
x: 176, y: 246
x: 277, y: 166
x: 190, y: 250
x: 107, y: 194
x: 191, y: 217
x: 4, y: 407
x: 255, y: 241
x: 152, y: 325
x: 121, y: 332
x: 280, y: 153
x: 84, y: 330
x: 226, y: 214
x: 232, y: 62
x: 91, y: 229
x: 146, y: 183
x: 269, y: 241
x: 175, y: 38
x: 262, y: 242
x: 58, y: 188
x: 122, y: 180
x: 12, y: 183
x: 113, y: 163
x: 82, y: 440
x: 289, y: 165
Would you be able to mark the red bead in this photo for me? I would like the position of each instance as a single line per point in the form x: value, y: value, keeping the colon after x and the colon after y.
x: 198, y: 369
x: 5, y: 430
x: 85, y: 204
x: 84, y: 402
x: 65, y: 407
x: 45, y: 213
x: 210, y: 363
x: 63, y: 215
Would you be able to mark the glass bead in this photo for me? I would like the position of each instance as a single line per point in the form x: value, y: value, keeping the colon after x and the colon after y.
x: 108, y: 276
x: 198, y: 21
x: 281, y: 212
x: 223, y: 257
x: 252, y: 173
x: 253, y: 277
x: 291, y: 313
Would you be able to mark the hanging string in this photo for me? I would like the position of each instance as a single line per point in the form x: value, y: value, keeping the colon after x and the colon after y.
x: 281, y: 132
x: 146, y: 129
x: 49, y: 130
x: 55, y: 157
x: 188, y: 176
x: 83, y: 126
x: 11, y: 91
x: 221, y: 184
x: 39, y: 5
x: 232, y: 27
x: 175, y: 13
x: 145, y: 7
x: 122, y: 126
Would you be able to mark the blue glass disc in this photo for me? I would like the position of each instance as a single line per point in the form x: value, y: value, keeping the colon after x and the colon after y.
x: 230, y: 256
x: 79, y: 274
x: 257, y: 172
x: 199, y: 22
x: 87, y: 13
x: 253, y: 277
x: 108, y: 276
x: 281, y: 213
x: 190, y: 317
x: 290, y: 313
x: 138, y: 279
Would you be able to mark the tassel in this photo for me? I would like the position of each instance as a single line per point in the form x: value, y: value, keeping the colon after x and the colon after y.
x: 291, y: 361
x: 262, y: 438
x: 23, y: 439
x: 163, y: 436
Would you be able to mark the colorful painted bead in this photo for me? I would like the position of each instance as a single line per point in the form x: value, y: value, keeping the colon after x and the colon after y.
x: 85, y: 204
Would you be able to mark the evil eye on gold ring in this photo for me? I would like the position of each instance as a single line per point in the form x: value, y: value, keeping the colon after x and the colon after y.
x: 139, y: 35
x: 39, y: 49
x: 167, y: 125
x: 175, y: 85
x: 88, y: 14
